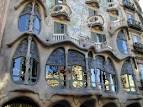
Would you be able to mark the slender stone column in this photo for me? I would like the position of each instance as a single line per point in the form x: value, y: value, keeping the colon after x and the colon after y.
x: 28, y: 60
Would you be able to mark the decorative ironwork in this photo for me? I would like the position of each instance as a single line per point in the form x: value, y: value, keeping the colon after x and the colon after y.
x: 135, y: 24
x: 128, y: 4
x: 138, y: 47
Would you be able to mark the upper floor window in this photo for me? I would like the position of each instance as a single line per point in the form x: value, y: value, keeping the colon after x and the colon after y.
x: 25, y: 64
x: 136, y: 39
x: 128, y: 77
x: 122, y: 42
x: 91, y: 12
x: 140, y: 67
x: 55, y: 69
x: 98, y: 38
x: 30, y: 19
x: 59, y: 28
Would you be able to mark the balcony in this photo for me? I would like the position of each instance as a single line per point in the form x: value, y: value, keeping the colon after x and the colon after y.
x: 82, y: 42
x: 138, y: 47
x: 61, y: 12
x: 132, y: 23
x: 115, y: 25
x: 95, y: 22
x: 112, y: 8
x: 92, y: 3
x: 128, y: 5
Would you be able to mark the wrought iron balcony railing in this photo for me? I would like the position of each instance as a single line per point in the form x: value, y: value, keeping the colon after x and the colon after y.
x: 95, y: 22
x: 138, y: 47
x: 61, y: 11
x: 132, y: 23
x: 93, y: 3
x: 128, y: 5
x: 113, y: 8
x: 81, y: 41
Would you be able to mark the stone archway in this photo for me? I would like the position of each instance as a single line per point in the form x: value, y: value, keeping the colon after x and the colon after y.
x: 88, y: 103
x: 21, y: 102
x: 62, y: 103
x: 110, y: 105
x: 134, y: 105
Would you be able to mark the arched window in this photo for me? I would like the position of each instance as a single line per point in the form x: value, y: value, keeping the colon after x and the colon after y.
x: 25, y: 63
x: 21, y: 102
x: 122, y: 43
x: 92, y: 70
x: 30, y: 19
x: 128, y: 77
x: 103, y: 76
x: 99, y: 70
x: 76, y: 61
x: 55, y: 69
x: 109, y: 78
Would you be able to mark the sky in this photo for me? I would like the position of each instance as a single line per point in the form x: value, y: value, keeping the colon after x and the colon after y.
x: 141, y: 3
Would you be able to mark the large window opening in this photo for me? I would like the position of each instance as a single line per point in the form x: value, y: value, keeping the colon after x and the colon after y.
x: 25, y: 63
x: 30, y: 19
x: 128, y: 77
x: 55, y: 69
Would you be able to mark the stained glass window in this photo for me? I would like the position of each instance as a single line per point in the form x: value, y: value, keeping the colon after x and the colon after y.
x: 19, y: 65
x: 76, y: 61
x: 55, y: 69
x: 30, y: 15
x: 122, y: 43
x: 127, y: 76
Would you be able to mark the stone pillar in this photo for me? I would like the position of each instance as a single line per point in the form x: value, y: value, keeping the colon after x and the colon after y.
x: 28, y: 60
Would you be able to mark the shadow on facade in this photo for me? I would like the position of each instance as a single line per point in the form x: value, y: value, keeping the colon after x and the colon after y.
x: 21, y: 102
x: 110, y: 105
x: 134, y: 105
x: 62, y: 103
x: 89, y: 103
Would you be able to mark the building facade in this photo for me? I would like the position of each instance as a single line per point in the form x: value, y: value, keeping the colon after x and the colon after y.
x: 71, y: 53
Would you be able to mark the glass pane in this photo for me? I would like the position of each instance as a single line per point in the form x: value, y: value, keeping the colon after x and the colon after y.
x: 141, y: 71
x: 93, y: 77
x: 55, y: 75
x: 125, y: 83
x: 77, y: 76
x: 19, y: 68
x: 99, y: 78
x: 24, y: 22
x: 106, y: 81
x: 112, y: 83
x: 36, y: 25
x: 33, y: 70
x: 132, y: 84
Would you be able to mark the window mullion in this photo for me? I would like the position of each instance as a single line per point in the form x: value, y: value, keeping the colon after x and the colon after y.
x: 28, y: 56
x: 32, y: 17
